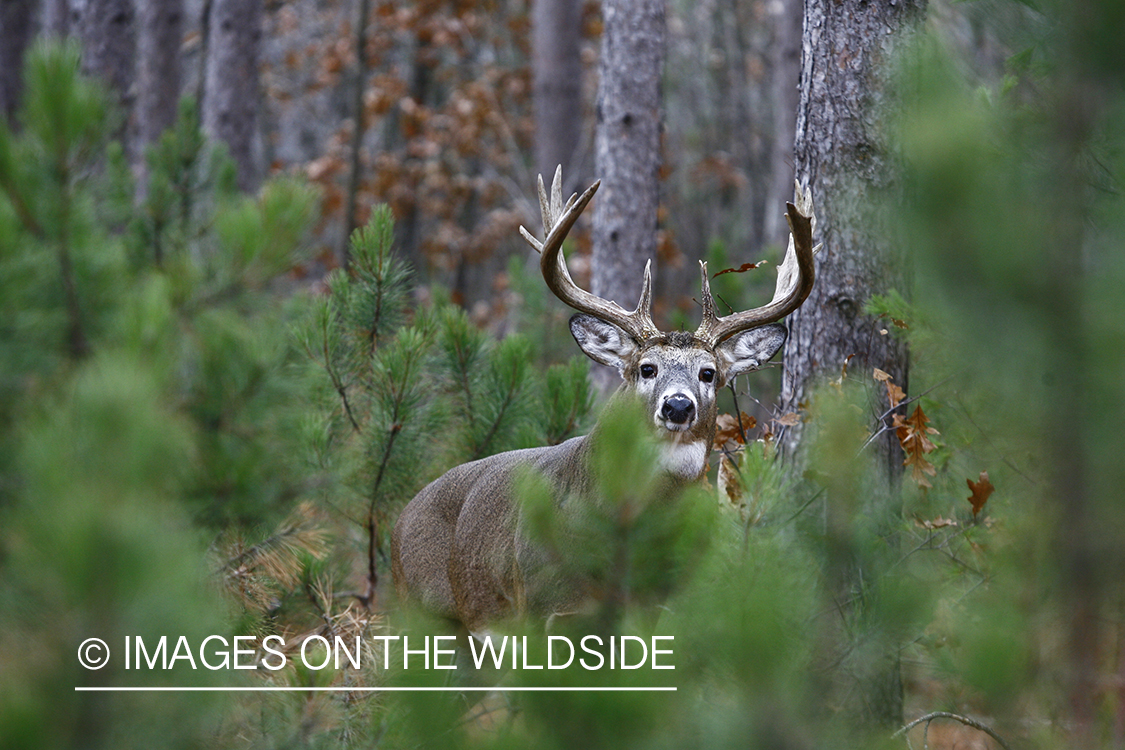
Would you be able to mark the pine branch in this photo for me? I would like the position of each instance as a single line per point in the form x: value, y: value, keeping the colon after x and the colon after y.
x: 337, y: 382
x: 76, y: 334
x: 23, y: 212
x: 509, y: 396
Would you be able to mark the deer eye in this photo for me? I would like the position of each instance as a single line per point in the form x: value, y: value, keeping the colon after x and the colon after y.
x: 707, y: 375
x: 648, y: 371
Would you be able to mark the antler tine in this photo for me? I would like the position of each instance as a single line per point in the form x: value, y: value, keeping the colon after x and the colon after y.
x: 795, y: 279
x: 545, y: 206
x: 557, y: 222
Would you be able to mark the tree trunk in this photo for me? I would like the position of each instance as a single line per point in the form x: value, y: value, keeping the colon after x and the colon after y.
x: 15, y: 30
x: 56, y: 17
x: 556, y: 31
x: 627, y: 150
x: 109, y: 51
x: 158, y: 50
x: 232, y: 100
x: 359, y: 129
x: 842, y: 152
x: 785, y: 63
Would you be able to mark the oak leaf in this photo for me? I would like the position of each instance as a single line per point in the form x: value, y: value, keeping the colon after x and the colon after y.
x: 981, y: 490
x: 729, y: 429
x: 912, y: 434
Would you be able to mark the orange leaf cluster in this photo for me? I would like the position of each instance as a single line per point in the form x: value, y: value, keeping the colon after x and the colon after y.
x: 912, y: 434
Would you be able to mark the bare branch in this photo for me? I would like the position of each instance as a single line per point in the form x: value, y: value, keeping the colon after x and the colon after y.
x: 956, y: 717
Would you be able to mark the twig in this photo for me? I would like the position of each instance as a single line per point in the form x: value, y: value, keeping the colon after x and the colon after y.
x: 806, y: 504
x: 884, y: 427
x: 956, y: 717
x: 737, y: 410
x: 965, y: 411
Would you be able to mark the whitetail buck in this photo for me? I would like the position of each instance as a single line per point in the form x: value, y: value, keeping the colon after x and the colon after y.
x: 457, y: 547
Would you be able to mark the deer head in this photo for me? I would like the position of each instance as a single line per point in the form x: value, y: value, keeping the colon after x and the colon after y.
x: 677, y: 374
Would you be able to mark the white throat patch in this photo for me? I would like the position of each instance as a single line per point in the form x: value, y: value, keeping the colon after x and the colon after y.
x: 683, y: 460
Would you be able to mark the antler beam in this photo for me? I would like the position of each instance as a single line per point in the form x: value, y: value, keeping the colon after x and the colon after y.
x: 795, y: 279
x: 557, y: 221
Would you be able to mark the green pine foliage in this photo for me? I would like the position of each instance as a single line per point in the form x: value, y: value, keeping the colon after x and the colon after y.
x: 407, y: 396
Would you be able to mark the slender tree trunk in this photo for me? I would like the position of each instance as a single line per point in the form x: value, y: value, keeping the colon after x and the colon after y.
x: 787, y: 16
x: 161, y: 25
x: 842, y: 153
x: 232, y: 97
x: 408, y: 228
x: 15, y: 31
x: 159, y: 77
x: 627, y: 150
x: 359, y: 128
x: 56, y: 17
x: 109, y: 51
x: 556, y: 32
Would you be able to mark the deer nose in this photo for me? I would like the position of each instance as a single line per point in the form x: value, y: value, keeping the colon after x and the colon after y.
x: 678, y: 409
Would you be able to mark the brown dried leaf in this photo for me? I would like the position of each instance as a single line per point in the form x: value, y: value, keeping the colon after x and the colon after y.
x: 730, y: 482
x: 912, y: 432
x: 741, y: 269
x: 730, y: 431
x: 792, y: 419
x: 895, y: 395
x: 981, y: 490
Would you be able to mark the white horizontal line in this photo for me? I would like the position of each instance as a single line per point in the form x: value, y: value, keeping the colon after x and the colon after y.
x: 267, y: 689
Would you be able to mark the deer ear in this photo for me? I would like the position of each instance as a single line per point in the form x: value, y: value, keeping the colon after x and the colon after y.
x: 601, y: 341
x: 751, y: 349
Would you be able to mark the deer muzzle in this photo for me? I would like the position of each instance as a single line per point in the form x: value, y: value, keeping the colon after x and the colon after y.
x: 678, y: 412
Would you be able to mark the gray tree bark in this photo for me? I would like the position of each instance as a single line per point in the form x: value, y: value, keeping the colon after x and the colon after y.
x: 842, y: 152
x: 627, y: 150
x: 159, y: 76
x: 557, y: 69
x: 108, y: 33
x: 56, y: 17
x: 15, y: 31
x: 231, y: 98
x: 785, y: 63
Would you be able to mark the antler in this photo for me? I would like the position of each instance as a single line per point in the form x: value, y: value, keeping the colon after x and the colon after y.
x: 794, y: 279
x: 557, y: 221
